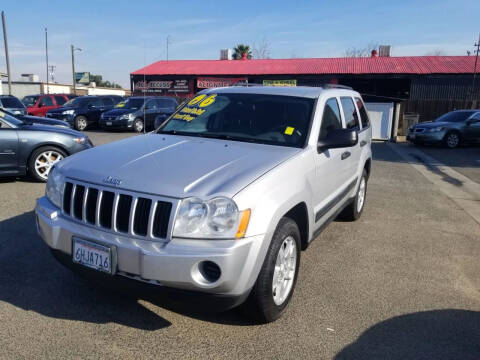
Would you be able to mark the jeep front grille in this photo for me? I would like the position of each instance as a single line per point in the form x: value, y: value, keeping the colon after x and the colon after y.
x: 117, y: 211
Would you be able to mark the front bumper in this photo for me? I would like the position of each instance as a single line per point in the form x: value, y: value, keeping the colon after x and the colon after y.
x: 173, y: 264
x: 426, y: 137
x: 115, y: 124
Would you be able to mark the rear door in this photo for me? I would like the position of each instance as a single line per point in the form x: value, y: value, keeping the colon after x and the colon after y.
x: 95, y: 107
x: 151, y: 111
x: 351, y: 155
x: 60, y: 100
x: 365, y: 134
x: 46, y: 103
x: 8, y: 149
x: 472, y: 131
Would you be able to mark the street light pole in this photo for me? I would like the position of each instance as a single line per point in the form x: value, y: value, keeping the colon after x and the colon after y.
x: 73, y: 48
x: 4, y: 22
x: 475, y: 67
x: 46, y: 56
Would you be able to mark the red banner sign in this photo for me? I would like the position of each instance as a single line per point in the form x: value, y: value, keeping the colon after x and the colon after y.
x: 204, y: 82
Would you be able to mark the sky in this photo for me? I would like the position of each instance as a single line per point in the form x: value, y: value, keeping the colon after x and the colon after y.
x: 118, y: 37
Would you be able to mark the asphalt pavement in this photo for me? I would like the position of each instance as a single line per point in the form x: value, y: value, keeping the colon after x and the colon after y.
x: 401, y: 283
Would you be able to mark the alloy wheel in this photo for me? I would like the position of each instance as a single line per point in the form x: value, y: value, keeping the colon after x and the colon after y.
x: 361, y: 194
x: 284, y: 272
x: 453, y: 140
x: 45, y: 161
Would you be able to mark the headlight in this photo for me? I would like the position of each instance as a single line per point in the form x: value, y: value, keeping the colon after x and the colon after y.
x: 438, y: 128
x: 54, y: 188
x: 216, y: 218
x: 68, y: 112
x: 126, y: 117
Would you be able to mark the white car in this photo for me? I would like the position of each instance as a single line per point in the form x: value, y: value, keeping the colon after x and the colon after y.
x: 218, y: 201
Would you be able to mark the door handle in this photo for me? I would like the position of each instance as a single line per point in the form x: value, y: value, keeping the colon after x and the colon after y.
x: 363, y: 143
x: 345, y: 155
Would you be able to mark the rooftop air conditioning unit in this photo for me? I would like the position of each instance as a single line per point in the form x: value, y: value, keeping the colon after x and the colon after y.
x: 226, y: 54
x: 384, y: 50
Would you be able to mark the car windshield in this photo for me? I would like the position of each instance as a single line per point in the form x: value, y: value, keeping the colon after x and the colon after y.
x: 10, y: 119
x: 266, y: 119
x: 75, y: 102
x: 455, y: 116
x: 131, y: 103
x: 30, y: 100
x: 11, y: 102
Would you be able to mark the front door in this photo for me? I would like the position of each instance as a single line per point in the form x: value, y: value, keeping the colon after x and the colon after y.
x: 472, y: 130
x: 8, y: 149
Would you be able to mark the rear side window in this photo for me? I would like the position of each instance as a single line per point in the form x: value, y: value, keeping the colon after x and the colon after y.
x: 363, y: 113
x: 350, y: 113
x: 164, y: 103
x: 107, y: 101
x: 60, y: 100
x: 11, y: 102
x: 331, y: 118
x: 97, y: 102
x: 46, y: 101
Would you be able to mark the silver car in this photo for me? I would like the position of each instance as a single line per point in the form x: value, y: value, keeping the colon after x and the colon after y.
x: 219, y: 201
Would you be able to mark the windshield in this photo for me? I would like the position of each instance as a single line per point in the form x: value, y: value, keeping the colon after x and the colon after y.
x: 30, y: 100
x: 12, y: 120
x: 131, y: 103
x: 75, y: 102
x: 11, y: 102
x: 455, y: 116
x: 267, y: 119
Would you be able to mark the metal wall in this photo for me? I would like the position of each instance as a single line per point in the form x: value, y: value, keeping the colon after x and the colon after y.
x: 446, y: 87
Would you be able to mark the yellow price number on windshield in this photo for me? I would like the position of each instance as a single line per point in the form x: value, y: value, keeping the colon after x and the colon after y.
x: 202, y: 100
x: 196, y: 100
x: 208, y: 101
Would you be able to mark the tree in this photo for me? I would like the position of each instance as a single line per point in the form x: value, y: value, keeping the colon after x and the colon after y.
x: 436, y: 52
x: 262, y: 49
x: 361, y: 52
x: 240, y: 50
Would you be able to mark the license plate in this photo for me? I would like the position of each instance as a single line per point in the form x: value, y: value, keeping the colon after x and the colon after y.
x: 109, y: 123
x: 92, y: 255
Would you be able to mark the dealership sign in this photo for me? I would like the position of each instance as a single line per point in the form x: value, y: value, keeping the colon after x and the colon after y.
x: 205, y: 82
x: 163, y: 86
x: 280, y: 82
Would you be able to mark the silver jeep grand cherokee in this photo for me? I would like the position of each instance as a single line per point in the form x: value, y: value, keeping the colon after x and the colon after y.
x: 219, y: 201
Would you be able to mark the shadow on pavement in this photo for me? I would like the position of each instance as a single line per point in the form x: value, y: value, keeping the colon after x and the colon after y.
x: 31, y: 279
x: 438, y: 334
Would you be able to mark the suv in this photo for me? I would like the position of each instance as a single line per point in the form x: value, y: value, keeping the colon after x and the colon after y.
x: 38, y: 105
x: 451, y: 129
x: 84, y: 111
x: 12, y: 105
x: 138, y: 113
x: 219, y: 201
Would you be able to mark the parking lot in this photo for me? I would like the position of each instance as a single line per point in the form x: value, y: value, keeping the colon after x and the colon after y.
x: 403, y: 282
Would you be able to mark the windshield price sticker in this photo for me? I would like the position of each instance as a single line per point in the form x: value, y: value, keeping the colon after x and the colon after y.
x: 2, y: 114
x: 289, y: 130
x: 193, y: 108
x: 119, y: 105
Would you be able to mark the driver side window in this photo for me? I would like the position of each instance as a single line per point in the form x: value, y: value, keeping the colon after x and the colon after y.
x: 331, y: 118
x: 46, y: 101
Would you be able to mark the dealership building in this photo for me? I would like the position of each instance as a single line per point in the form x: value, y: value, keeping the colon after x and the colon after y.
x: 423, y: 85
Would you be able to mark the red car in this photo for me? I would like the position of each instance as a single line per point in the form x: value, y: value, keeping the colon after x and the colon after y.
x: 38, y: 105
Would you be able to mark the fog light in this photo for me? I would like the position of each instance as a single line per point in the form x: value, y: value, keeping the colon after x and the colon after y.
x: 210, y: 271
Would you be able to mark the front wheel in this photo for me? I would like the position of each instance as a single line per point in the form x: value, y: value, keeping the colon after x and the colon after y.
x: 275, y: 283
x: 452, y: 140
x: 81, y: 123
x: 138, y: 125
x: 42, y: 160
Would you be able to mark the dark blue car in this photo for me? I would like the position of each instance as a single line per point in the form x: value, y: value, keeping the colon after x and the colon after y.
x: 84, y: 111
x: 138, y: 113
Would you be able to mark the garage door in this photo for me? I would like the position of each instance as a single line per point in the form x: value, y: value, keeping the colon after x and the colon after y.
x: 381, y: 118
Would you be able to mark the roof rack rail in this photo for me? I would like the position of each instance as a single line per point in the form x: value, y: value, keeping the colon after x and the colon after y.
x: 246, y: 84
x: 336, y: 86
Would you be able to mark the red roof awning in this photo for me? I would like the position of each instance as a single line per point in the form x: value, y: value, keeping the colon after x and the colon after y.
x: 318, y: 66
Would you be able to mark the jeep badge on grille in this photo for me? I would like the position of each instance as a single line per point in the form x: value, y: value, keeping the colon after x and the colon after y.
x: 112, y: 181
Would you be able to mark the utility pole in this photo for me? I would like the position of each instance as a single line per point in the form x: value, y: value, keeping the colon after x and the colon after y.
x: 477, y: 51
x: 169, y: 41
x: 73, y: 69
x: 51, y: 71
x: 46, y: 57
x: 4, y: 22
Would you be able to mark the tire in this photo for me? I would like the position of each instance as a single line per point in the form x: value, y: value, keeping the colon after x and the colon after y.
x: 267, y: 301
x: 42, y: 160
x: 138, y: 125
x: 81, y: 123
x: 354, y: 210
x: 452, y: 139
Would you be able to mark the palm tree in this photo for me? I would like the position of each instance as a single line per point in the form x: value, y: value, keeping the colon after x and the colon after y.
x: 240, y: 50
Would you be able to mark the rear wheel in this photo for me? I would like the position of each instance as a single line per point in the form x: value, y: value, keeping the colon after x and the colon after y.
x: 353, y: 211
x: 81, y: 123
x: 275, y: 283
x: 452, y: 140
x: 138, y: 125
x: 42, y: 160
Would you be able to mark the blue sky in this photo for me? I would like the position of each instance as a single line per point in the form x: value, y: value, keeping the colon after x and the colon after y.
x: 118, y: 37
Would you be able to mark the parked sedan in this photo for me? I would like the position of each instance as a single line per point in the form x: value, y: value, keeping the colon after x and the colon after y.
x: 12, y: 104
x: 451, y: 129
x: 34, y: 149
x: 84, y: 111
x: 138, y: 113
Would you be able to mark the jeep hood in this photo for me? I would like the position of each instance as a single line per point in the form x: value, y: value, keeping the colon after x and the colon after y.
x: 176, y: 166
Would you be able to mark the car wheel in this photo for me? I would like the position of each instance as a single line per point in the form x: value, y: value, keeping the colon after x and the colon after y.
x: 42, y: 160
x: 275, y: 283
x: 138, y: 125
x: 452, y: 140
x: 81, y: 123
x: 354, y: 210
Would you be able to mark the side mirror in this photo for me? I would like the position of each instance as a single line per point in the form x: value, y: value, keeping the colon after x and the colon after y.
x: 338, y: 138
x: 40, y: 105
